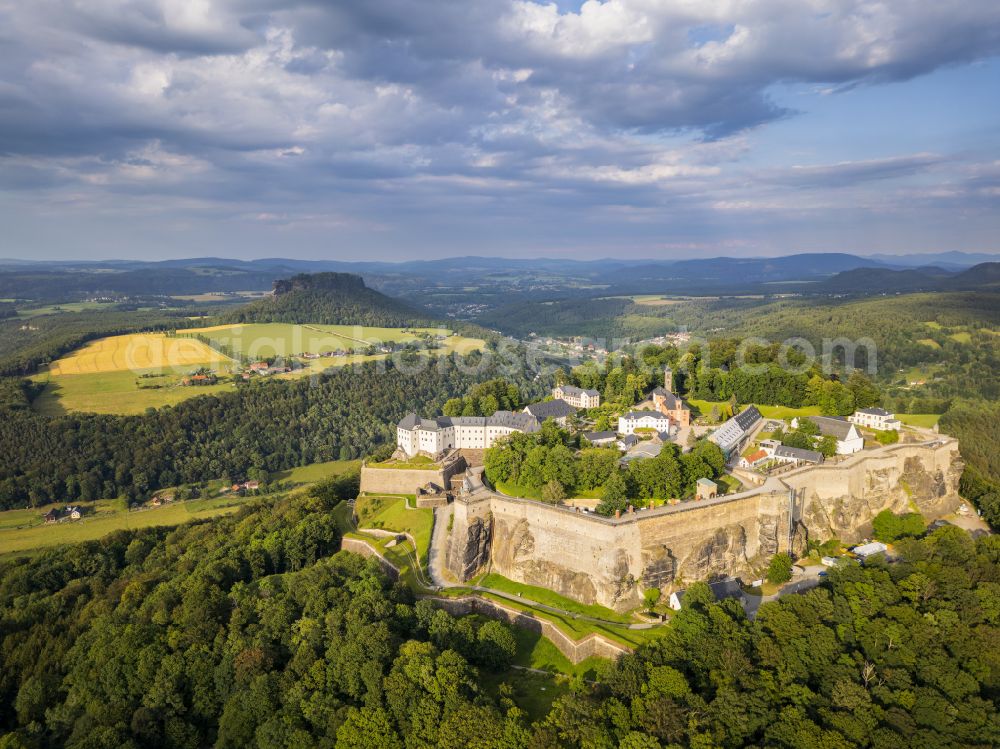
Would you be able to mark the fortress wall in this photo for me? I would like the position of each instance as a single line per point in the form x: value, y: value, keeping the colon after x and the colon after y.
x: 611, y: 561
x: 574, y: 650
x: 839, y: 501
x: 407, y: 480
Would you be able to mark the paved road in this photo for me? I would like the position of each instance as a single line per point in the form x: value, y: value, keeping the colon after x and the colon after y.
x: 805, y: 582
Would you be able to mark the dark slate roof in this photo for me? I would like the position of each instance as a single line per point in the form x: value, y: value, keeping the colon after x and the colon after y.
x: 524, y: 422
x: 554, y: 409
x: 641, y: 414
x: 747, y: 418
x: 875, y: 411
x: 798, y: 453
x: 521, y: 421
x: 671, y: 400
x: 837, y: 426
x: 574, y: 390
x: 596, y: 436
x: 629, y: 439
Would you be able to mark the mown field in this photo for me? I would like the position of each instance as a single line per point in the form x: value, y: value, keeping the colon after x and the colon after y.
x: 139, y: 351
x: 127, y: 374
x: 15, y: 538
x: 266, y: 340
x: 124, y: 393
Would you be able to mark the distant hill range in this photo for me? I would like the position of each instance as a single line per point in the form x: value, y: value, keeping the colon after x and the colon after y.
x: 450, y: 285
x: 867, y: 281
x: 326, y: 298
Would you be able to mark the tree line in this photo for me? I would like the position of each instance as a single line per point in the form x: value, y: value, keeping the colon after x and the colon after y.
x: 263, y: 426
x: 249, y: 631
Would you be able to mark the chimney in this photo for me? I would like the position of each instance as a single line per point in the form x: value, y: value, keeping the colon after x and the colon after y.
x: 618, y: 514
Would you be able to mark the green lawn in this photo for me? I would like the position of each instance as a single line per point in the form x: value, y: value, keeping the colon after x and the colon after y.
x: 768, y: 412
x: 265, y: 340
x: 729, y: 484
x: 516, y: 490
x: 117, y: 392
x: 927, y: 421
x: 53, y: 309
x: 390, y: 513
x: 418, y: 462
x: 104, y: 521
x: 550, y: 598
x: 961, y: 337
x: 317, y: 471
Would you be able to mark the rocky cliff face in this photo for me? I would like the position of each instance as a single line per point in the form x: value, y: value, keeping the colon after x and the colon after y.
x: 612, y: 562
x: 469, y: 548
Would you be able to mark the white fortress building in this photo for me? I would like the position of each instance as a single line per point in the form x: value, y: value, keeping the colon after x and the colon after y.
x: 577, y: 397
x: 415, y: 435
x: 629, y: 422
x: 875, y: 418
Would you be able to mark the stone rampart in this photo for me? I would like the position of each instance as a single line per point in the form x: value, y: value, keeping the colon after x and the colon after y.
x: 409, y: 480
x: 611, y: 560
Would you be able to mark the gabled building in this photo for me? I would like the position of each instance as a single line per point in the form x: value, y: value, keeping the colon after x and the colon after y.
x: 432, y: 437
x: 628, y: 423
x: 875, y: 418
x: 734, y: 434
x: 797, y: 455
x: 849, y: 439
x: 600, y: 439
x: 577, y: 397
x: 558, y: 410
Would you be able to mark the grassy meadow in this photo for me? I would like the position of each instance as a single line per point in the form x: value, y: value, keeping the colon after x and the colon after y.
x: 138, y: 351
x: 124, y: 393
x: 266, y: 340
x: 24, y: 531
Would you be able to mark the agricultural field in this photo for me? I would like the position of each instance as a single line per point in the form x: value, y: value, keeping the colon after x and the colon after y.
x: 55, y: 309
x: 221, y: 296
x: 123, y: 393
x: 22, y: 531
x: 266, y: 340
x: 139, y: 351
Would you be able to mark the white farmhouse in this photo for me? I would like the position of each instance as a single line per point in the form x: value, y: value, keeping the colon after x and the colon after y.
x: 629, y: 422
x: 849, y: 439
x: 875, y: 418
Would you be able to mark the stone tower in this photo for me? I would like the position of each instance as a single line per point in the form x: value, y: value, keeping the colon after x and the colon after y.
x: 668, y: 380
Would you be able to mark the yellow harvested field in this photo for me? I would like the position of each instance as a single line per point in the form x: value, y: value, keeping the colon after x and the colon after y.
x: 136, y: 351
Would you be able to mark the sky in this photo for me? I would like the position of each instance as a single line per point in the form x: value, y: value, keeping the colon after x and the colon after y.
x: 400, y: 129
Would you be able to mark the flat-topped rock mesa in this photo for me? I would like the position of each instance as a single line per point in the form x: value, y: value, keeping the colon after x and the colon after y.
x: 610, y: 561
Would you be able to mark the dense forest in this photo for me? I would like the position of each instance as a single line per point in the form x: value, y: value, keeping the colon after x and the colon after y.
x: 266, y: 426
x: 246, y: 632
x: 550, y: 463
x: 331, y: 298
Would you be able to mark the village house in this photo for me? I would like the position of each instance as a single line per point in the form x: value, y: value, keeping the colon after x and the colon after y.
x: 73, y: 513
x: 577, y: 397
x: 51, y: 516
x: 600, y: 439
x: 796, y: 455
x: 875, y: 418
x: 849, y: 439
x: 642, y: 420
x: 754, y: 459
